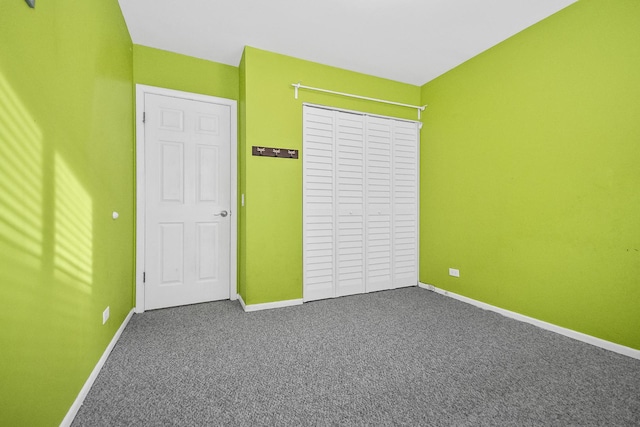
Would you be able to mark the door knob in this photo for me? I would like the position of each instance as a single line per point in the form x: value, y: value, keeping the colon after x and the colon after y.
x: 222, y: 214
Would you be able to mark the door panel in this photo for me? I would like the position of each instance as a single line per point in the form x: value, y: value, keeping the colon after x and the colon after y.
x: 378, y: 217
x: 172, y: 172
x: 318, y: 206
x: 405, y: 204
x: 207, y: 258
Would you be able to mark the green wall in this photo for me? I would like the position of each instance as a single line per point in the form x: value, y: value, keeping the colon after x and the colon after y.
x: 66, y: 153
x: 271, y: 258
x: 155, y: 67
x: 530, y: 173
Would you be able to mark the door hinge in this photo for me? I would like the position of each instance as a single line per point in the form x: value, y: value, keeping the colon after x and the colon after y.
x: 144, y: 117
x: 144, y: 277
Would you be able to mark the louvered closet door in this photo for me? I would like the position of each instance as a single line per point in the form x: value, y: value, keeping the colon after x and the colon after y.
x: 318, y: 204
x: 360, y: 203
x: 379, y: 163
x: 405, y: 204
x: 350, y: 204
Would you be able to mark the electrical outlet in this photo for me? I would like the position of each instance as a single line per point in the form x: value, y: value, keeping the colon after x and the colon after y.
x: 105, y: 315
x: 454, y: 272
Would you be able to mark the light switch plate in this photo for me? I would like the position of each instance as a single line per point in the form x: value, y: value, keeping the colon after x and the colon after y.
x: 105, y: 315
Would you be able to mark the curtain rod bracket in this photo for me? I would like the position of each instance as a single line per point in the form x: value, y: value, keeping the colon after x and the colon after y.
x: 296, y: 86
x: 420, y: 110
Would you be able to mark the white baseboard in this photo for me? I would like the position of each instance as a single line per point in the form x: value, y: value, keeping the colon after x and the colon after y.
x: 68, y: 419
x: 244, y: 306
x: 268, y: 305
x: 598, y: 342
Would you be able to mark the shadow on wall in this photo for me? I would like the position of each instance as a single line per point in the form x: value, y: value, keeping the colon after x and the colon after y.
x: 46, y: 252
x: 26, y: 186
x: 21, y: 186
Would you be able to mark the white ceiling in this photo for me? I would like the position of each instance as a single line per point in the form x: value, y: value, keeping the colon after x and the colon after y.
x: 411, y: 41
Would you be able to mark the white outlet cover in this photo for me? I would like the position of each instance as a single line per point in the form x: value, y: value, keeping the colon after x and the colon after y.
x: 454, y: 272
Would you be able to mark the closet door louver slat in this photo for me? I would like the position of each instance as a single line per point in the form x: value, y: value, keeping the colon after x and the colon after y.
x: 378, y: 199
x: 405, y: 204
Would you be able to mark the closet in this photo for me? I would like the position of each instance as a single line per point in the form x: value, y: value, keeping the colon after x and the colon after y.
x: 360, y: 203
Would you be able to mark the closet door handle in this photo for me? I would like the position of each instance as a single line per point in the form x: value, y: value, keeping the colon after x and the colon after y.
x: 222, y: 214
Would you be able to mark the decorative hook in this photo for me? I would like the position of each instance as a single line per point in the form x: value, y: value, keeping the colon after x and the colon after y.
x: 283, y: 153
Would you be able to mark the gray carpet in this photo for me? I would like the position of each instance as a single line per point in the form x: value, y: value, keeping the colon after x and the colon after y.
x: 403, y: 357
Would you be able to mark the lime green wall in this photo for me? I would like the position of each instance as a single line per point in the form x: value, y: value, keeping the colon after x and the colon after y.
x: 66, y: 153
x: 273, y: 187
x: 155, y: 67
x: 530, y: 173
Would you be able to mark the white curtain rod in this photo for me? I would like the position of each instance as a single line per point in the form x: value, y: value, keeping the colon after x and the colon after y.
x: 298, y: 86
x: 362, y: 113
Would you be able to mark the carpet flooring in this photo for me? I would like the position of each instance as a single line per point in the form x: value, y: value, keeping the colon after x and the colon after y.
x: 402, y: 357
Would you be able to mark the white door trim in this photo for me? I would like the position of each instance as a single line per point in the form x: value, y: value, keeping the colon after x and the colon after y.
x: 141, y: 91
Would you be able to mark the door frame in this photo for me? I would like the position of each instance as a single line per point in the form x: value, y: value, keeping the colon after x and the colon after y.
x: 141, y: 91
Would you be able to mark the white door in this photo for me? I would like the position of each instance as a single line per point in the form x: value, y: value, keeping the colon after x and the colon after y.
x: 187, y: 201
